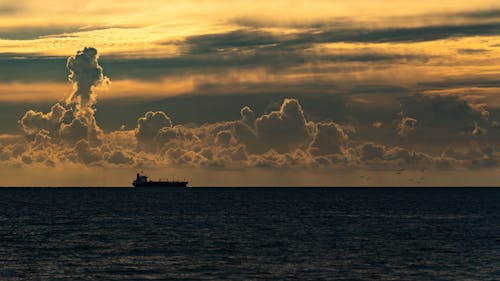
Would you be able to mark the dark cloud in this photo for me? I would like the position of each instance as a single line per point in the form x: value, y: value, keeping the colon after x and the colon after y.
x: 334, y: 34
x: 372, y: 151
x: 234, y: 39
x: 283, y: 130
x: 474, y: 81
x: 286, y: 128
x: 72, y: 120
x: 376, y: 155
x: 247, y: 116
x: 70, y: 123
x: 475, y: 157
x: 434, y: 123
x: 223, y: 138
x: 473, y: 51
x: 288, y: 50
x: 416, y: 34
x: 13, y: 66
x: 171, y: 136
x: 81, y: 129
x: 329, y: 139
x: 442, y: 111
x: 265, y: 131
x: 254, y: 48
x: 253, y: 23
x: 149, y: 126
x: 213, y: 58
x: 480, y: 14
x: 86, y: 73
x: 282, y: 138
x: 34, y: 121
x: 186, y: 109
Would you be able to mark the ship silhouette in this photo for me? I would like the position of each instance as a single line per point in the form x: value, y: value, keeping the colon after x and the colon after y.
x: 142, y: 181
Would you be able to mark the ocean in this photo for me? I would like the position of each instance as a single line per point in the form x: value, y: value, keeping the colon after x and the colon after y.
x: 250, y: 234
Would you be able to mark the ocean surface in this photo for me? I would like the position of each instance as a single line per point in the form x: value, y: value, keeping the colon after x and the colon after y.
x: 250, y: 234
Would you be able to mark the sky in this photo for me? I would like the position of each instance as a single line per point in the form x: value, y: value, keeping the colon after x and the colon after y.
x: 250, y: 93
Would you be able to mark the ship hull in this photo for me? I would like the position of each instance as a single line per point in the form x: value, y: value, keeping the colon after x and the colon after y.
x: 160, y: 184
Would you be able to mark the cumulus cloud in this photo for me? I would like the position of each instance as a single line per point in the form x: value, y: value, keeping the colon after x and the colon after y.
x: 247, y: 116
x: 223, y: 138
x: 81, y: 129
x: 477, y: 156
x: 329, y: 139
x: 283, y: 130
x: 70, y: 125
x: 34, y: 121
x: 377, y: 155
x: 74, y: 119
x: 274, y: 139
x: 372, y: 151
x: 282, y: 137
x: 450, y: 111
x: 85, y: 73
x: 148, y: 127
x: 435, y: 122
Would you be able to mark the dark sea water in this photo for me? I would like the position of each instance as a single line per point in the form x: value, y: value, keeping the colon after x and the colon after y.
x: 250, y: 234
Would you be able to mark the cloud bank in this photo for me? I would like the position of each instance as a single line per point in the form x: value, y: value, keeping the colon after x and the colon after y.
x: 460, y: 134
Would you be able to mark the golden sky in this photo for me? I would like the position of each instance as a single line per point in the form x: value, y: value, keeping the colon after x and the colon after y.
x: 135, y: 28
x: 389, y: 83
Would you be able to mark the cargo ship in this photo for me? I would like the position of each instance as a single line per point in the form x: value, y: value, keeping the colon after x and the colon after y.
x: 142, y: 181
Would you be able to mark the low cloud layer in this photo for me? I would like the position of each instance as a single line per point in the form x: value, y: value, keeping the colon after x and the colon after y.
x: 430, y: 131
